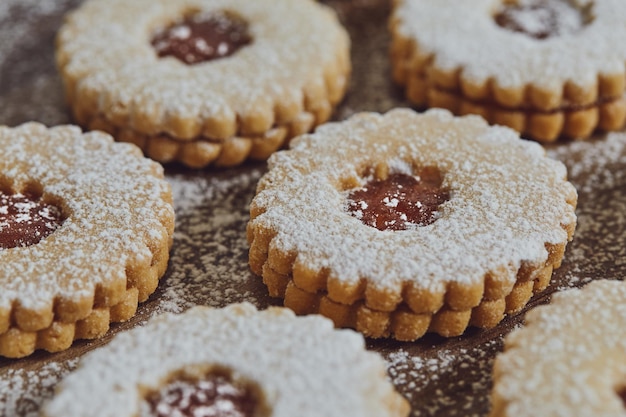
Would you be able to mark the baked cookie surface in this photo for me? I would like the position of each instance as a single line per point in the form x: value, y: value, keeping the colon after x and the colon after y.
x: 569, y: 359
x: 491, y: 222
x: 203, y: 81
x: 104, y: 220
x: 270, y: 363
x: 545, y: 68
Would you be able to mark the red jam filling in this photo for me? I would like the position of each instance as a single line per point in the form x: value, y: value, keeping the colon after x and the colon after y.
x: 213, y: 396
x: 25, y: 220
x: 203, y: 37
x: 541, y: 19
x: 400, y: 201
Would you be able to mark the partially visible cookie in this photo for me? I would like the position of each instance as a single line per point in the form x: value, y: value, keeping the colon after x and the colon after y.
x: 203, y: 81
x: 569, y: 359
x: 404, y: 223
x: 85, y: 230
x: 236, y: 360
x: 547, y: 68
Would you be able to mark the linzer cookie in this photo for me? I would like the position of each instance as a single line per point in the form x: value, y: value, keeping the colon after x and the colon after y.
x: 203, y: 81
x: 399, y: 224
x: 235, y: 361
x: 85, y: 230
x: 546, y: 68
x: 569, y: 359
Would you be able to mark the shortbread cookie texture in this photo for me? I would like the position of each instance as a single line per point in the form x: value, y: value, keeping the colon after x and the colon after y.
x: 85, y: 230
x: 252, y: 363
x: 402, y: 223
x: 546, y: 68
x: 569, y: 359
x: 203, y: 81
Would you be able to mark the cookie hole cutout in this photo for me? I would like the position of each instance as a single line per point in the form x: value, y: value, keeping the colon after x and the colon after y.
x: 203, y: 36
x: 217, y: 393
x: 27, y: 216
x: 399, y: 201
x: 543, y: 19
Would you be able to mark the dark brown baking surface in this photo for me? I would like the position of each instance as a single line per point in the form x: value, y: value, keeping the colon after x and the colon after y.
x: 209, y: 259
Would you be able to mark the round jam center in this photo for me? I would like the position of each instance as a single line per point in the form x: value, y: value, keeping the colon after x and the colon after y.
x: 399, y: 202
x: 212, y: 396
x: 25, y: 220
x: 203, y: 37
x: 541, y: 19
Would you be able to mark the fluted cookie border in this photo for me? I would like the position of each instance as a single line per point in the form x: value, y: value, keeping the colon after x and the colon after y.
x: 568, y: 358
x: 561, y: 86
x: 308, y: 249
x: 574, y: 122
x: 222, y: 110
x: 285, y: 357
x: 106, y: 257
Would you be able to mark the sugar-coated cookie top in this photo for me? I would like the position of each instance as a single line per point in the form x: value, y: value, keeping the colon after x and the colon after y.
x: 303, y: 366
x: 464, y: 34
x: 116, y: 203
x: 107, y: 45
x: 507, y: 200
x: 569, y: 359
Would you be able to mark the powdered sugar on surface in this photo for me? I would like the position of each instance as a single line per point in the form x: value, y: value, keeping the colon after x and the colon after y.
x: 209, y: 262
x: 466, y: 371
x: 22, y: 391
x: 597, y: 169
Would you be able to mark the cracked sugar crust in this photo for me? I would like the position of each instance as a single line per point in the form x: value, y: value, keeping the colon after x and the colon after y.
x: 301, y: 364
x: 569, y: 358
x: 510, y: 208
x: 297, y: 65
x: 467, y: 50
x: 106, y: 256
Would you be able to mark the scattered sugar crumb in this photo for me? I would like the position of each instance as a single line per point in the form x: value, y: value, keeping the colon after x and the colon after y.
x: 467, y: 371
x: 210, y: 242
x: 22, y: 391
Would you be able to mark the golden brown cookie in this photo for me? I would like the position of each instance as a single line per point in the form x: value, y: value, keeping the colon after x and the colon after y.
x: 460, y: 223
x: 236, y: 360
x: 85, y: 230
x: 546, y: 68
x: 203, y: 81
x: 569, y: 359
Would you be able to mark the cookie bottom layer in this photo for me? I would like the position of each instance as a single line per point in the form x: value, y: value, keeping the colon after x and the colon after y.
x: 418, y: 312
x: 87, y: 319
x: 202, y: 152
x: 542, y: 115
x: 577, y: 123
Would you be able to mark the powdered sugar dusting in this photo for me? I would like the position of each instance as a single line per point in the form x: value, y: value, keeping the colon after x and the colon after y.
x: 301, y: 364
x: 113, y: 199
x: 493, y: 179
x: 570, y: 357
x: 464, y: 35
x: 31, y: 89
x: 124, y: 69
